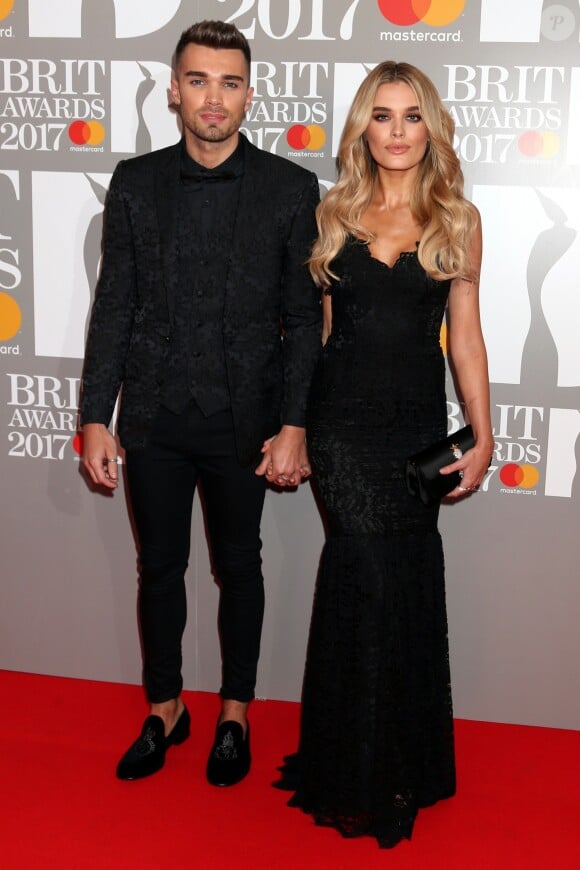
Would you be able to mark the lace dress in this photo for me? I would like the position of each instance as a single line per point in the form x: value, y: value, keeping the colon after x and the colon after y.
x: 376, y: 738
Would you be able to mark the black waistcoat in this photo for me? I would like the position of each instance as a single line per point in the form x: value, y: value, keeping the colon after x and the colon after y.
x: 207, y: 209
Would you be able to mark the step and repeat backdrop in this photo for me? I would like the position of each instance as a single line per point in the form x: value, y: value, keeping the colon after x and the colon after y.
x: 83, y: 84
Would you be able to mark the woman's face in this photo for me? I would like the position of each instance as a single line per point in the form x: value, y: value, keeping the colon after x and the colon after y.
x: 396, y: 135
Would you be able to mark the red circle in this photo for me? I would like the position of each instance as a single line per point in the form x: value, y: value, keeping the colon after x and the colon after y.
x: 401, y: 12
x: 77, y: 443
x: 298, y: 137
x: 530, y: 143
x: 511, y: 475
x: 79, y: 132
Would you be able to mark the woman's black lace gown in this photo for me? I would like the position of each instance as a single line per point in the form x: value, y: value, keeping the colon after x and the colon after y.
x: 377, y: 733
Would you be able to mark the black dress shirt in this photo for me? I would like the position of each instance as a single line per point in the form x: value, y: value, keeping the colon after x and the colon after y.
x: 207, y: 206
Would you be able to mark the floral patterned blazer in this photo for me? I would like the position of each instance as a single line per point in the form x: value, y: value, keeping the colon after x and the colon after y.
x: 272, y: 313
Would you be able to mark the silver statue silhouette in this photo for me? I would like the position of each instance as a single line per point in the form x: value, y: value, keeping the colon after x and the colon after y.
x: 539, y: 366
x: 143, y: 138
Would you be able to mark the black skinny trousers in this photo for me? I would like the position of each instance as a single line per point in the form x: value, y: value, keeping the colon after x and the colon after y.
x: 182, y: 450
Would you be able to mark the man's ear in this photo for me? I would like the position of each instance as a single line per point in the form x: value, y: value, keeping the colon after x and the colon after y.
x: 174, y: 90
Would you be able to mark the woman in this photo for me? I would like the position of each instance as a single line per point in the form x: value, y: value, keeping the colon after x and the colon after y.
x: 398, y: 242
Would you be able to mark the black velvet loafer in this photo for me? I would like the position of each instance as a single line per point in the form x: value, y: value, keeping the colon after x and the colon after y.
x: 147, y: 754
x: 229, y: 760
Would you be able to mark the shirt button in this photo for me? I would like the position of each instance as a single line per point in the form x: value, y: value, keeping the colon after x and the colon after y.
x: 199, y: 294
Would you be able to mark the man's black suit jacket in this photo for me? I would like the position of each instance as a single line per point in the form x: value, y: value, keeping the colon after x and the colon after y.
x: 272, y: 313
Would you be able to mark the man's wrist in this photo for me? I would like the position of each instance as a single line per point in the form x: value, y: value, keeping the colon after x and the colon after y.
x: 94, y: 425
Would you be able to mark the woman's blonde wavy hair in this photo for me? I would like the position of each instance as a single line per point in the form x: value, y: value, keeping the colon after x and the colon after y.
x: 437, y: 201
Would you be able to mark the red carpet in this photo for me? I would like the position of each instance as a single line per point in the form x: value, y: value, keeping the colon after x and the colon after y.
x: 518, y: 801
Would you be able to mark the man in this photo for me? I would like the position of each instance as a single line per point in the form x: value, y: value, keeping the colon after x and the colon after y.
x: 205, y: 314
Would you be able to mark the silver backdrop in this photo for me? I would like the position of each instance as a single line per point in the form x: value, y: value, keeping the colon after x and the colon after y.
x: 84, y: 84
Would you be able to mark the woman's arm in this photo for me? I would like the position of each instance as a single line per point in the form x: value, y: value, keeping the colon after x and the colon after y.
x: 469, y: 359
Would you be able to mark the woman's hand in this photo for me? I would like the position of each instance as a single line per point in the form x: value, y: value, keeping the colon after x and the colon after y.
x: 284, y: 457
x: 472, y: 467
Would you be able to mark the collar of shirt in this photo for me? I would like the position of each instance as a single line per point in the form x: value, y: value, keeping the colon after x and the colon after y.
x: 193, y: 173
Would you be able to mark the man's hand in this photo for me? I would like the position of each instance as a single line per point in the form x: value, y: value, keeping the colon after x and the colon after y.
x: 285, y: 460
x: 100, y: 455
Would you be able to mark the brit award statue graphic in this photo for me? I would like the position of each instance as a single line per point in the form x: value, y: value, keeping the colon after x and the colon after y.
x: 143, y: 138
x: 540, y: 381
x: 539, y: 367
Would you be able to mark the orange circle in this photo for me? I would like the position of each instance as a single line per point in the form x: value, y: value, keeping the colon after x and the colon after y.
x: 550, y: 144
x: 316, y: 138
x: 531, y: 475
x: 6, y: 7
x: 442, y: 12
x: 96, y: 132
x: 10, y: 317
x: 443, y: 339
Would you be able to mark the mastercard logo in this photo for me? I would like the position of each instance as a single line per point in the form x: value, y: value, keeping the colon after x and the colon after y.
x: 539, y: 144
x: 10, y: 317
x: 524, y: 476
x: 86, y: 132
x: 300, y: 137
x: 434, y: 13
x: 6, y: 7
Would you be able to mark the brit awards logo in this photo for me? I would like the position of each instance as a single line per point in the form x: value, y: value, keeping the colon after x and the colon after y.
x: 42, y: 416
x: 42, y: 98
x: 288, y: 109
x: 505, y: 114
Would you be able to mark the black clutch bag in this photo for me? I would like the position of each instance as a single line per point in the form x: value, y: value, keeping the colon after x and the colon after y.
x: 422, y: 470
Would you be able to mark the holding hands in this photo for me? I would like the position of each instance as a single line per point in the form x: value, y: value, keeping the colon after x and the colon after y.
x: 284, y: 457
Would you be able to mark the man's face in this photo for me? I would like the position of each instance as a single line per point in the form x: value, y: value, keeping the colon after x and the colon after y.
x: 212, y: 91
